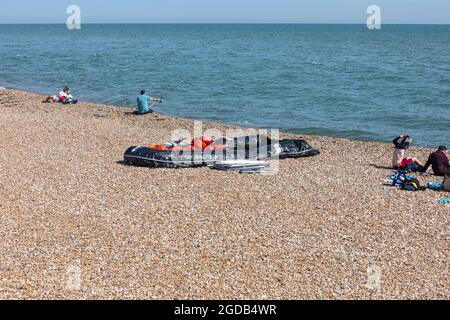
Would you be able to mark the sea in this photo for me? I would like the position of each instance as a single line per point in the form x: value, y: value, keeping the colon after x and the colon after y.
x: 336, y: 80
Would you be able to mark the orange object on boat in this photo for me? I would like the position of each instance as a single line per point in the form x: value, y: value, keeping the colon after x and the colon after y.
x: 196, y: 144
x: 201, y: 143
x: 158, y: 147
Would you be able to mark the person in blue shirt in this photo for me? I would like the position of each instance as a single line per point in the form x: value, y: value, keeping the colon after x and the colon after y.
x: 142, y: 103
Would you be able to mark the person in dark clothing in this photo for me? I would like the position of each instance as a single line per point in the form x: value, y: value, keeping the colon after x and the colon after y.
x: 439, y: 162
x: 401, y: 144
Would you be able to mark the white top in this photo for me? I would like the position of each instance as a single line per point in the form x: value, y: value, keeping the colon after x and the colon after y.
x: 65, y: 95
x: 399, y: 154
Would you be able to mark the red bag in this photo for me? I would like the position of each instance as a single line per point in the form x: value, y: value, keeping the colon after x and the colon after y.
x: 406, y: 162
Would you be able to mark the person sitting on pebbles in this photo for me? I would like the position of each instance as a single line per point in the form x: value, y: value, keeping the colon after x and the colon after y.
x: 439, y: 162
x: 399, y: 160
x: 64, y: 97
x: 142, y: 103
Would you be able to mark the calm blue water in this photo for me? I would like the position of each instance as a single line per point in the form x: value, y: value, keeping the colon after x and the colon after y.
x: 339, y: 80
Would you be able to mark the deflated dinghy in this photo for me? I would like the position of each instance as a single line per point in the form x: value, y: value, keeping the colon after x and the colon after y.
x: 256, y: 147
x: 200, y: 152
x: 297, y: 149
x: 153, y: 158
x: 203, y: 152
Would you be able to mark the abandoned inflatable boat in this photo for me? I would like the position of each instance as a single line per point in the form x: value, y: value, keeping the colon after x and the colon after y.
x: 203, y: 152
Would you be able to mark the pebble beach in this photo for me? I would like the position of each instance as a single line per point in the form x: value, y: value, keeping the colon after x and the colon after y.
x: 76, y: 223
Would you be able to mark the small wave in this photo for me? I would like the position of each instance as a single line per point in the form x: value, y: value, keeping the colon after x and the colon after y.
x: 444, y: 81
x: 97, y: 57
x: 390, y: 78
x: 244, y: 123
x: 122, y: 103
x: 20, y: 57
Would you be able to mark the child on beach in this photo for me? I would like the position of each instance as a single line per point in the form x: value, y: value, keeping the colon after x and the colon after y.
x: 142, y: 103
x: 402, y: 143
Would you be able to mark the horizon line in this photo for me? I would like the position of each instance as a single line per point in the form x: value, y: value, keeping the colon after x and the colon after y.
x: 230, y: 23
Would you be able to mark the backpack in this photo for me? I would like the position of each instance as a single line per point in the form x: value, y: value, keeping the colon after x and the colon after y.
x: 411, y: 184
x: 401, y: 180
x: 398, y: 179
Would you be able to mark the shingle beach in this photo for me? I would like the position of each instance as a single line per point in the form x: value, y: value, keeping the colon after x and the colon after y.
x: 76, y: 223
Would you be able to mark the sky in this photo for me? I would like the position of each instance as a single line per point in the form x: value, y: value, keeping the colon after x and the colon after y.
x: 226, y: 11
